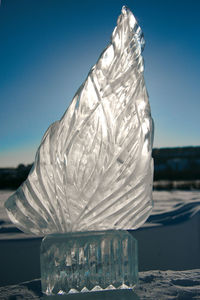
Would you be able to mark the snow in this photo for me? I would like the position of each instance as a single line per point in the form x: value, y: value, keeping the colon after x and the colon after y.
x: 167, y: 285
x: 153, y: 285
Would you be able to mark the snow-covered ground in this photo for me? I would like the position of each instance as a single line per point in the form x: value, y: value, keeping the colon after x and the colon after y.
x: 153, y: 285
x: 3, y: 197
x: 165, y: 201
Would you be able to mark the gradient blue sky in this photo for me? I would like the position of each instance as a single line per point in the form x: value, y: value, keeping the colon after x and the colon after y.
x: 48, y: 46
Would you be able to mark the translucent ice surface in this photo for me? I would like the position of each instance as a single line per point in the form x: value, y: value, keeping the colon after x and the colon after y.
x: 88, y: 261
x: 93, y: 169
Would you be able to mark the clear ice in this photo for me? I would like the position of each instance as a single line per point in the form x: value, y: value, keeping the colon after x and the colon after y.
x: 93, y: 169
x: 89, y: 261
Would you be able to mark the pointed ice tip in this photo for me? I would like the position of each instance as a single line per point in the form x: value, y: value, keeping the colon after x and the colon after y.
x: 126, y: 12
x: 125, y: 9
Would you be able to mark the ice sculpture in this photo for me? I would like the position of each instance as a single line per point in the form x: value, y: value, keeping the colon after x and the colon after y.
x: 93, y: 173
x: 93, y: 169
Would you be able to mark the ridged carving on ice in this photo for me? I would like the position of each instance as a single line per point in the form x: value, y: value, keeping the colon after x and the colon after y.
x: 93, y: 169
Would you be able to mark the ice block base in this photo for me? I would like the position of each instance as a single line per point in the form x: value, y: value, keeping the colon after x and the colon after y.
x: 88, y: 261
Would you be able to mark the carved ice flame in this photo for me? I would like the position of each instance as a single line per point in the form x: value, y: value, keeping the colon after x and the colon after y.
x: 93, y: 169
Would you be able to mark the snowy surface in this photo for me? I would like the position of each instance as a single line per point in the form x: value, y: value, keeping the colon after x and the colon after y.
x: 169, y: 285
x: 3, y: 197
x: 165, y: 201
x: 153, y: 285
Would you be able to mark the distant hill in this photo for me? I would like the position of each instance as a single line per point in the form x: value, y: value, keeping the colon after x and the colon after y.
x: 177, y: 163
x: 12, y: 178
x: 171, y: 165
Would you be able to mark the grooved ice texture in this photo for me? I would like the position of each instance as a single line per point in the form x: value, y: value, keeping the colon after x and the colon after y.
x: 88, y: 261
x: 93, y: 169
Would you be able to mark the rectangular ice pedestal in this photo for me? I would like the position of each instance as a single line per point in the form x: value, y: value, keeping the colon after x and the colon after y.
x: 88, y: 261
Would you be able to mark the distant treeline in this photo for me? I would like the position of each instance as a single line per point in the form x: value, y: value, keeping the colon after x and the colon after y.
x: 12, y: 178
x: 173, y: 168
x: 177, y: 163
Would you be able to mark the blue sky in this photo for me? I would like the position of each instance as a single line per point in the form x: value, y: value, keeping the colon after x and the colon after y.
x: 47, y: 48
